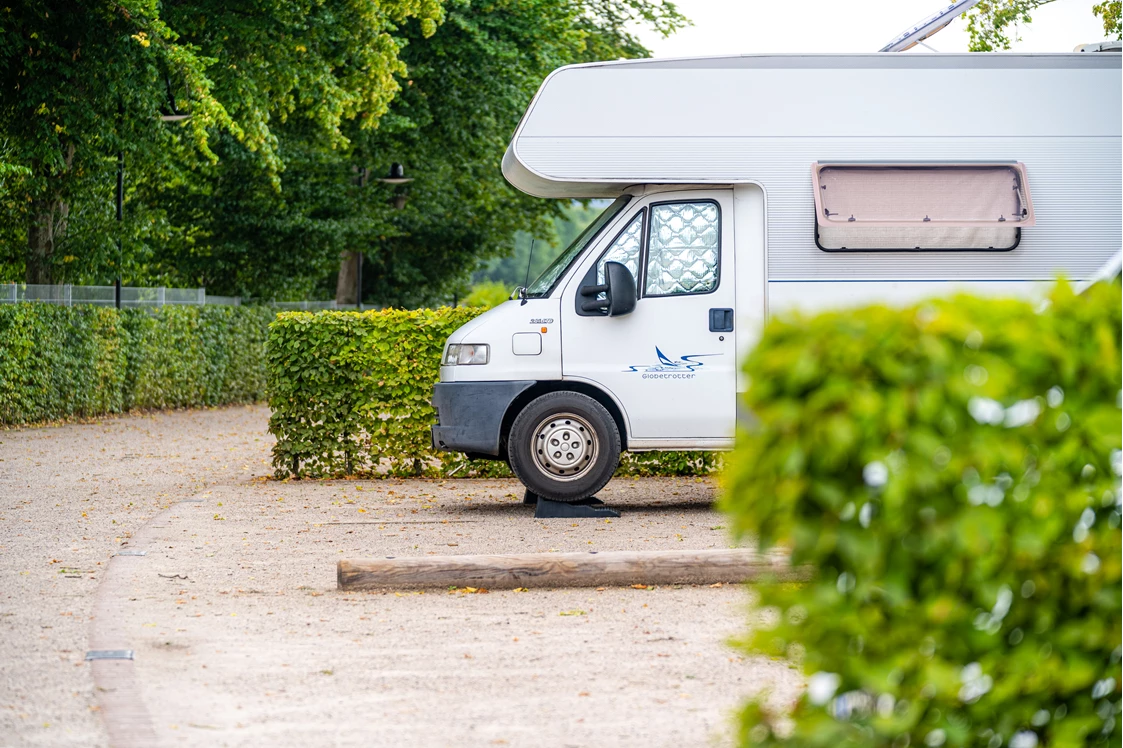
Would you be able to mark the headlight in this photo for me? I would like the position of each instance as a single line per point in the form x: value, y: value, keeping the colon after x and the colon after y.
x: 466, y: 353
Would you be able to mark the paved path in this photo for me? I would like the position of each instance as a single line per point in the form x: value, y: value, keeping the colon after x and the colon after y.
x: 242, y: 639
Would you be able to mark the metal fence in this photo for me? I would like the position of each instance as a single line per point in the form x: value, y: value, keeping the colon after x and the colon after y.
x: 312, y: 306
x: 68, y: 295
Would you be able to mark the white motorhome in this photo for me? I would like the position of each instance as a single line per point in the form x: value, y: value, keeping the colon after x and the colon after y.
x: 747, y: 186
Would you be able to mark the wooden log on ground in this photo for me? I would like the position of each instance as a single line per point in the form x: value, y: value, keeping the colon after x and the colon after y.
x: 606, y: 568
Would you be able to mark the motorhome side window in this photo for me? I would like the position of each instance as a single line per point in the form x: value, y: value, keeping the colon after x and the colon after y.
x: 683, y: 248
x: 910, y: 207
x: 625, y: 249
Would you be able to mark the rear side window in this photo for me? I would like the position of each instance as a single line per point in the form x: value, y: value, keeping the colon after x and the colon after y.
x: 887, y: 207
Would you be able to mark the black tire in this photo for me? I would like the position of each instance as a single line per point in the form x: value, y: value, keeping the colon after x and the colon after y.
x: 580, y: 464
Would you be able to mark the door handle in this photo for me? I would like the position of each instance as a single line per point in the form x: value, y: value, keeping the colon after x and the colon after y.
x: 721, y: 320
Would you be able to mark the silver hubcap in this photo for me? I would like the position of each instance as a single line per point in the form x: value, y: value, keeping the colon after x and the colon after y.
x: 565, y: 446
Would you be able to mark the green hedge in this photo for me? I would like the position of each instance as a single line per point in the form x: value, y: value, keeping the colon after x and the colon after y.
x: 951, y: 474
x: 351, y: 392
x: 83, y: 361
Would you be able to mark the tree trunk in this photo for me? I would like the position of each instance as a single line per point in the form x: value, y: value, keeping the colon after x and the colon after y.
x: 48, y: 223
x: 49, y: 213
x: 346, y: 288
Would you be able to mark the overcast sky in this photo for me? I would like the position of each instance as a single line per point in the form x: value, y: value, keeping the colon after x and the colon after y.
x: 746, y: 26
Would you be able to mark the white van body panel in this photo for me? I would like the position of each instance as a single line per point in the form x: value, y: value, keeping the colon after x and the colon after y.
x: 810, y: 297
x: 671, y: 375
x: 497, y: 328
x: 745, y: 131
x: 596, y: 130
x: 752, y: 289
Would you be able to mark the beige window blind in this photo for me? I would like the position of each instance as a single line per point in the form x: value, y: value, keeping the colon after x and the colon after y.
x: 918, y: 206
x: 922, y: 195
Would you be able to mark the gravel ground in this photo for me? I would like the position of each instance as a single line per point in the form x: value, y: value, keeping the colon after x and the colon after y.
x: 69, y: 496
x: 242, y: 638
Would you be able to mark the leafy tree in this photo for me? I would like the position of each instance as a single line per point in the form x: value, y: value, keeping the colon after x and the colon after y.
x: 989, y: 23
x: 239, y: 229
x: 294, y: 109
x: 465, y: 88
x: 80, y: 82
x: 1109, y: 13
x: 604, y: 25
x: 84, y: 80
x: 468, y: 86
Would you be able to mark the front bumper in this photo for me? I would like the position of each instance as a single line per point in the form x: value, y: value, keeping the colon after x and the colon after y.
x: 470, y: 414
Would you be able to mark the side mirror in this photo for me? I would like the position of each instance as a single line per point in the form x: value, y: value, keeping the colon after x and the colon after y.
x: 619, y: 291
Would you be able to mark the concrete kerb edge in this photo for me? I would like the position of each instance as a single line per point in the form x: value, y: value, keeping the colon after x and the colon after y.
x: 119, y: 698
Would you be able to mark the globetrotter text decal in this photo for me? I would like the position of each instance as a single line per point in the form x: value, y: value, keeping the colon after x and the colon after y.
x: 668, y: 368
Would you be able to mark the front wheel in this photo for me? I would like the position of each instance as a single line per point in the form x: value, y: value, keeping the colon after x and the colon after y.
x: 564, y: 446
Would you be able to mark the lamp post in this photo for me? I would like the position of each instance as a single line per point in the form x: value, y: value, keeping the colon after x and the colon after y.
x: 120, y: 217
x: 176, y: 117
x: 397, y: 176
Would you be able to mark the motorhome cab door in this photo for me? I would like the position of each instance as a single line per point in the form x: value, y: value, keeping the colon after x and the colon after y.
x: 671, y: 363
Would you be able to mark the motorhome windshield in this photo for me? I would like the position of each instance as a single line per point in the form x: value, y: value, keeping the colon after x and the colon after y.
x: 544, y: 284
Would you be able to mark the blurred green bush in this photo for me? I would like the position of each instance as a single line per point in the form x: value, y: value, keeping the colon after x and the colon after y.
x: 350, y: 394
x: 951, y: 473
x: 83, y: 361
x: 487, y: 294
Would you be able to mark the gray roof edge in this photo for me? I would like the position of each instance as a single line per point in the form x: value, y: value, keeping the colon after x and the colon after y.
x: 885, y: 60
